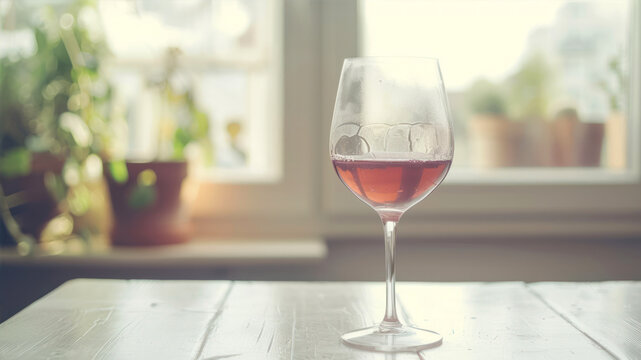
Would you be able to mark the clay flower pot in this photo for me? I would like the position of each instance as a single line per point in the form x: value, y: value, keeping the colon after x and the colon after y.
x: 148, y: 208
x: 495, y: 141
x: 33, y: 205
x: 498, y: 142
x: 576, y: 143
x: 615, y: 140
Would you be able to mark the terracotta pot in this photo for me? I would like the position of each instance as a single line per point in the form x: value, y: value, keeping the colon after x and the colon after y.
x: 536, y: 149
x: 492, y: 141
x: 589, y: 144
x: 36, y: 206
x: 616, y: 141
x: 498, y: 142
x: 164, y: 220
x: 563, y: 129
x: 576, y: 143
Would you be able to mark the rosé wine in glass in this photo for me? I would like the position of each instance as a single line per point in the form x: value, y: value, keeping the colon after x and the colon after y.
x: 391, y: 184
x: 391, y: 144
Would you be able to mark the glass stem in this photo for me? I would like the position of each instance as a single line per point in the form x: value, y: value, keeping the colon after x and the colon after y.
x: 390, y: 320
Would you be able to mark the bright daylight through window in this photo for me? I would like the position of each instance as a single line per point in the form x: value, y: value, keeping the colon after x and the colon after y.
x: 227, y: 57
x: 171, y: 61
x: 541, y: 85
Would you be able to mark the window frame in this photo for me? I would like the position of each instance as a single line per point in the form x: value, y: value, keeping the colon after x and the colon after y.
x: 251, y: 208
x: 310, y: 200
x: 560, y: 203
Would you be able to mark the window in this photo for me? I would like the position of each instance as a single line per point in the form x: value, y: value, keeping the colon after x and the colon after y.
x: 525, y: 198
x: 227, y: 53
x: 267, y: 74
x: 532, y: 84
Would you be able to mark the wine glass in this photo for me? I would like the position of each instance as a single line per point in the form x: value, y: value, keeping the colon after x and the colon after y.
x: 391, y: 144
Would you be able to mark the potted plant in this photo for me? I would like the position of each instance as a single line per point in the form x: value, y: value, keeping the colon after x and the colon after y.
x: 615, y: 124
x: 52, y: 111
x: 576, y: 143
x: 26, y: 204
x: 148, y: 195
x: 529, y: 90
x: 492, y: 138
x: 579, y: 143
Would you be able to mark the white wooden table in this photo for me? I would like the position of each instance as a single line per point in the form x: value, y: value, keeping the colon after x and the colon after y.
x: 120, y: 319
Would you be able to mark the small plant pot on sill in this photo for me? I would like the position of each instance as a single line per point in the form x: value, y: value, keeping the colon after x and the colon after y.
x: 492, y: 141
x: 576, y: 143
x: 147, y: 203
x: 498, y: 142
x: 615, y: 141
x: 30, y: 202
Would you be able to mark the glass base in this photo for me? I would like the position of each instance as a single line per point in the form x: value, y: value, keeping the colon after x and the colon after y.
x: 403, y: 338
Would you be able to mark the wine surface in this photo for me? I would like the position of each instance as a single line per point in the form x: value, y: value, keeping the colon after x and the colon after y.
x: 396, y: 184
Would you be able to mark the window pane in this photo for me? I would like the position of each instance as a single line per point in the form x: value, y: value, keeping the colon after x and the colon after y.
x: 166, y: 63
x: 531, y: 83
x: 226, y: 29
x: 227, y: 59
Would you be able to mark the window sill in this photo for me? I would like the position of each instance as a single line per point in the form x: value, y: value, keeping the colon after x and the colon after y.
x: 241, y: 176
x: 551, y: 176
x: 198, y: 253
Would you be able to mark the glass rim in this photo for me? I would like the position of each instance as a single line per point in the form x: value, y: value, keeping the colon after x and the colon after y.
x: 391, y: 58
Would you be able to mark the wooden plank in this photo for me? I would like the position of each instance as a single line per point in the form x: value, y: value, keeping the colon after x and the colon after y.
x: 493, y: 321
x: 118, y: 319
x: 608, y: 312
x: 478, y: 321
x: 294, y: 320
x: 115, y: 319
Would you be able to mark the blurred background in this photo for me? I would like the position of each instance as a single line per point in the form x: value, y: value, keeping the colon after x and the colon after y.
x: 188, y: 139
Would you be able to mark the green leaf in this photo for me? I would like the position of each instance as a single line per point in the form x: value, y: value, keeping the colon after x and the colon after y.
x: 16, y: 162
x: 485, y: 97
x: 56, y: 186
x: 181, y: 139
x: 79, y: 200
x: 530, y: 87
x: 142, y: 197
x: 200, y: 127
x: 118, y: 170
